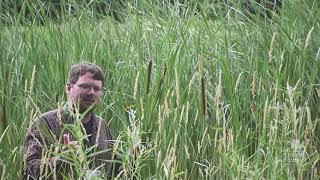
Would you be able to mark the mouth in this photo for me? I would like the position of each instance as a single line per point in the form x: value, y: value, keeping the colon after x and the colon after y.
x: 89, y: 100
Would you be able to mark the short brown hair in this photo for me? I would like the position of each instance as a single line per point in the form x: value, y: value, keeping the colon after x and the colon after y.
x: 80, y: 69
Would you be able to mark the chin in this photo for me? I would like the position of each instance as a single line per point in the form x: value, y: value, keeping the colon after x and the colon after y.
x: 85, y: 108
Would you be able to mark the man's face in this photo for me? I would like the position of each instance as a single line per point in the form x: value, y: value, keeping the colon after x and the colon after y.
x: 85, y: 93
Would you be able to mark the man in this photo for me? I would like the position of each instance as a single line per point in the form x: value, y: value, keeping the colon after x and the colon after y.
x: 66, y: 141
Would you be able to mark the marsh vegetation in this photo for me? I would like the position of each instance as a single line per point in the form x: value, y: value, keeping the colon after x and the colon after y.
x: 194, y: 90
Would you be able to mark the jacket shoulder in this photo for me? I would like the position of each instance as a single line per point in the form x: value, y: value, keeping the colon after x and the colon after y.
x: 44, y: 127
x: 101, y: 120
x: 103, y: 124
x: 50, y: 114
x: 49, y: 119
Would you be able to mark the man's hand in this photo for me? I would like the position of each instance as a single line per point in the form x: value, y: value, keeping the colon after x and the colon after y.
x: 66, y: 138
x: 70, y: 145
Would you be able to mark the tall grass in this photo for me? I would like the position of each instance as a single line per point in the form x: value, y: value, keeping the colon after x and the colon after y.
x: 193, y: 90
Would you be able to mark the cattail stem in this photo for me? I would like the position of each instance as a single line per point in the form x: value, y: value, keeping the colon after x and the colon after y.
x: 149, y: 76
x: 4, y: 118
x: 203, y: 97
x: 161, y: 81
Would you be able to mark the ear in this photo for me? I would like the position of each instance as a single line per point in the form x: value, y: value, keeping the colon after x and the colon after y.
x: 68, y: 88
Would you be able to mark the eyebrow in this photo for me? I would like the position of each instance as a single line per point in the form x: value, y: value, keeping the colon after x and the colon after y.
x: 87, y: 84
x: 91, y: 84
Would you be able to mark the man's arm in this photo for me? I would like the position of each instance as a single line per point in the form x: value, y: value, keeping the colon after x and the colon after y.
x: 35, y: 148
x: 105, y: 143
x: 115, y: 160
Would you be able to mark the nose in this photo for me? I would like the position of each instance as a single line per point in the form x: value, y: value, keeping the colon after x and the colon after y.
x: 91, y: 91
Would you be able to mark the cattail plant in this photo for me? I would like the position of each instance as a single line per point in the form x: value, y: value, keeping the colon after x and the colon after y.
x: 197, y: 89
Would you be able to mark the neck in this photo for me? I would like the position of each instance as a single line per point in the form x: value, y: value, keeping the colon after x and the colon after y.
x: 86, y: 117
x: 86, y: 114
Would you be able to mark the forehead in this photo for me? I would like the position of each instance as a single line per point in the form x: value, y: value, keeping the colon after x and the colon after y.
x: 88, y: 78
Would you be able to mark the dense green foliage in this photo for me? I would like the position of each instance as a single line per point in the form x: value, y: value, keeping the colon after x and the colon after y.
x: 193, y: 90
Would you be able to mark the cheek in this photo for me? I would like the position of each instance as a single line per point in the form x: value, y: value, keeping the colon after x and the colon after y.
x: 99, y: 97
x: 74, y: 94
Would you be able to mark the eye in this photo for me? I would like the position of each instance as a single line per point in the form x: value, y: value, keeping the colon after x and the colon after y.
x: 85, y: 86
x: 97, y: 89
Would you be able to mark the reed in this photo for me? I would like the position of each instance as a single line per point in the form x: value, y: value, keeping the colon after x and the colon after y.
x: 199, y: 89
